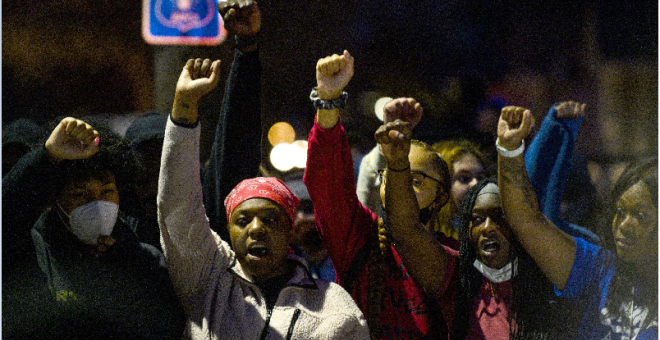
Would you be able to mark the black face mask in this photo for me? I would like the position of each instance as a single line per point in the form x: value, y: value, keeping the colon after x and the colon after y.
x: 425, y: 214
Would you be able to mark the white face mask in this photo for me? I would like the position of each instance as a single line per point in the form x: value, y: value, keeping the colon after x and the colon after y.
x: 92, y: 220
x: 497, y: 275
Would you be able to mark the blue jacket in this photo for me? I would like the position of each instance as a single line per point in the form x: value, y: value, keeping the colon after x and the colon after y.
x: 548, y: 162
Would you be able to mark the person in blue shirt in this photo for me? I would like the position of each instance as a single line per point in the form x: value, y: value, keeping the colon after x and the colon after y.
x: 619, y: 288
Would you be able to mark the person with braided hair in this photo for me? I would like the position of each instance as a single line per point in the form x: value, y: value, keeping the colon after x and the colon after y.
x: 492, y: 289
x: 532, y: 304
x: 392, y: 274
x: 501, y: 292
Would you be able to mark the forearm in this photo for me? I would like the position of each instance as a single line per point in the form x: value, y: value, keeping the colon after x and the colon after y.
x: 188, y: 244
x: 28, y: 187
x: 343, y: 224
x: 553, y: 250
x: 423, y: 256
x: 327, y: 119
x: 548, y: 159
x: 242, y: 118
x: 184, y: 110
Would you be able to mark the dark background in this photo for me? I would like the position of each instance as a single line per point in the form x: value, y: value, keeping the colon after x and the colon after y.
x: 82, y: 57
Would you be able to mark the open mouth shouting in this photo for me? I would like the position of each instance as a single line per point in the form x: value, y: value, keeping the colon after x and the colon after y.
x: 489, y: 247
x: 493, y: 252
x: 257, y: 250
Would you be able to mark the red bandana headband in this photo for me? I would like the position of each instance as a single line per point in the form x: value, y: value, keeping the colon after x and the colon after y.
x: 263, y: 187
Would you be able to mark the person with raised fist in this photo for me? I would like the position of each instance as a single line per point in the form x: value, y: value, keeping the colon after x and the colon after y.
x: 257, y: 288
x: 103, y: 282
x: 619, y: 288
x: 393, y: 274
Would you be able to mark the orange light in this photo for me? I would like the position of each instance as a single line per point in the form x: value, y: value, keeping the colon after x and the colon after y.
x: 281, y: 132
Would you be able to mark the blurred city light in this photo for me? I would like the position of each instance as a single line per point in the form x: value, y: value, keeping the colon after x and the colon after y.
x: 285, y: 156
x: 281, y: 132
x: 378, y: 107
x: 300, y: 156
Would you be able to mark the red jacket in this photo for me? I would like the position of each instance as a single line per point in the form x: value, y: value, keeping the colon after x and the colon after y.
x: 345, y: 226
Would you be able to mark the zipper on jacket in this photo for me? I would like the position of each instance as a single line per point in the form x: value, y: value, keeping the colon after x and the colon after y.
x: 296, y: 314
x: 264, y: 332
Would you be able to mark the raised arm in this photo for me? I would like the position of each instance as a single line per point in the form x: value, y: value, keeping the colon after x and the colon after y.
x: 548, y: 161
x: 188, y: 244
x: 343, y: 223
x: 237, y: 158
x: 332, y: 75
x: 552, y: 249
x: 423, y: 256
x: 31, y: 184
x: 368, y: 183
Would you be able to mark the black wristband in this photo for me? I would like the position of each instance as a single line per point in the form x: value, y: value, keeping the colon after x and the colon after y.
x: 333, y: 104
x: 182, y: 124
x: 402, y: 170
x: 245, y: 42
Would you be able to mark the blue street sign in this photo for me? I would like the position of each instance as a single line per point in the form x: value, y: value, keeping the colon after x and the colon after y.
x: 182, y: 22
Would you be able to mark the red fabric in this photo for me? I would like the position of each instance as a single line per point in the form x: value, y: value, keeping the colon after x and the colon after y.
x: 489, y: 319
x: 491, y: 310
x: 446, y: 240
x: 263, y: 187
x: 345, y: 225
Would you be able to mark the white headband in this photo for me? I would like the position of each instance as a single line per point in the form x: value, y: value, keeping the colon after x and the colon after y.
x: 490, y: 188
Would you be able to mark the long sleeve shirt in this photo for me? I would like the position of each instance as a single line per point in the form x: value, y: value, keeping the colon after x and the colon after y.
x: 345, y: 227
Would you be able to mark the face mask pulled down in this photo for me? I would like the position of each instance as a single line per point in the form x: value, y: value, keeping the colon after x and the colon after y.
x: 92, y: 220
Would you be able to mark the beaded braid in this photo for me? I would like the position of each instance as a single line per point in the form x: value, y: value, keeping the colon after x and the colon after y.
x: 469, y: 279
x: 380, y: 257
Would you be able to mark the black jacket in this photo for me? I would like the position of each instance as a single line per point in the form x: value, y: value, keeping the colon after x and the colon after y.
x: 123, y: 294
x: 236, y: 151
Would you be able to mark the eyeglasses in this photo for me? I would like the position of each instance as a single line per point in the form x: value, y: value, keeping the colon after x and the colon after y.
x: 418, y: 178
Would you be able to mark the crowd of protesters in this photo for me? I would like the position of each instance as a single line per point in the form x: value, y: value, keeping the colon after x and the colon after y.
x: 132, y: 237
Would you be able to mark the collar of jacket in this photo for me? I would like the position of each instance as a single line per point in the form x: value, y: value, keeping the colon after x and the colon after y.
x: 301, y: 278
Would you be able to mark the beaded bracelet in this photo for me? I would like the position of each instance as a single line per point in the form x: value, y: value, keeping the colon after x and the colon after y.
x: 333, y: 104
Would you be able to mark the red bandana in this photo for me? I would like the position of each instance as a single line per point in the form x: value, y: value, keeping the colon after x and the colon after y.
x: 263, y: 187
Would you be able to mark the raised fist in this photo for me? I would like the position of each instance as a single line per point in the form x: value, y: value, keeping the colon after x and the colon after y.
x: 242, y: 18
x: 198, y: 78
x: 515, y: 124
x: 406, y: 109
x: 393, y: 139
x: 570, y: 110
x: 72, y: 139
x: 333, y: 74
